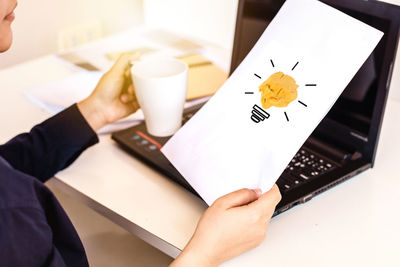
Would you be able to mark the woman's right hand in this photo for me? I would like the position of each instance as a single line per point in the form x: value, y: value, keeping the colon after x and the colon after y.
x: 234, y: 224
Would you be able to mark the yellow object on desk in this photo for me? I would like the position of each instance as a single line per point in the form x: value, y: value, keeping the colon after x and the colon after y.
x: 205, y: 78
x: 113, y: 56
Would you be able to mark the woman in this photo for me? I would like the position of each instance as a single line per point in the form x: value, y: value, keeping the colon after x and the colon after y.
x: 34, y: 229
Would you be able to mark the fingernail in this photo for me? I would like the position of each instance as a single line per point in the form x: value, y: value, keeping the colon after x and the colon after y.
x: 124, y: 98
x: 258, y: 192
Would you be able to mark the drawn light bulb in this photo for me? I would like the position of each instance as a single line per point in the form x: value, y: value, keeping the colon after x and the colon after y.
x: 258, y: 114
x: 279, y: 90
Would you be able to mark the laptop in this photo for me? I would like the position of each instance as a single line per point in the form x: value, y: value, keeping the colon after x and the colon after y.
x: 345, y: 142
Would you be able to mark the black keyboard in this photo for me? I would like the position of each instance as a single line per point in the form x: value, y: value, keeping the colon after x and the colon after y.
x: 304, y: 166
x: 186, y: 117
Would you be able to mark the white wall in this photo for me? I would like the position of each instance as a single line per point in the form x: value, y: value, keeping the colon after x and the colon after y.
x: 210, y: 20
x: 38, y: 22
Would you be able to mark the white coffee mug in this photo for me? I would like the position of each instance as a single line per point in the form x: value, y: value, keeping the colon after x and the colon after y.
x: 161, y: 87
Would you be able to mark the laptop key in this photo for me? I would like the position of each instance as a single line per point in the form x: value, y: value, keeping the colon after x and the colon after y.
x: 136, y: 137
x: 303, y: 176
x: 283, y: 186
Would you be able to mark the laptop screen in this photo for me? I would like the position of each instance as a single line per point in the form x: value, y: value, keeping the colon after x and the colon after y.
x: 354, y: 109
x: 356, y: 105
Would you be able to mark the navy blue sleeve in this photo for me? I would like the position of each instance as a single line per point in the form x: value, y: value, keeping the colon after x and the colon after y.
x: 50, y: 146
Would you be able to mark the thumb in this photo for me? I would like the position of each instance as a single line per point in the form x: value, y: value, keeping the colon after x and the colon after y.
x: 123, y: 62
x: 268, y: 200
x: 238, y: 198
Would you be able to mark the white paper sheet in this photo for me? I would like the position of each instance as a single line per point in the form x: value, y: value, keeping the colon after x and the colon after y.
x: 221, y: 149
x: 57, y: 95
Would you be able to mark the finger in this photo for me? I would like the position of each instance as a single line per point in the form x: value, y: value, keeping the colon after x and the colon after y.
x: 129, y: 108
x: 126, y: 98
x: 238, y: 198
x: 268, y: 200
x: 131, y: 90
x: 123, y: 62
x: 128, y: 77
x: 128, y: 73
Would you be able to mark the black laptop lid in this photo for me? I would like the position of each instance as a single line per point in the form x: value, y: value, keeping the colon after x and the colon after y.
x: 354, y: 122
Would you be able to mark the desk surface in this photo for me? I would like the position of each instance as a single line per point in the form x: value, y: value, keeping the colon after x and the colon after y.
x: 353, y: 224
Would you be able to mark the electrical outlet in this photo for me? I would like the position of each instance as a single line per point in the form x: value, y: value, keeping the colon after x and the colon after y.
x: 79, y: 34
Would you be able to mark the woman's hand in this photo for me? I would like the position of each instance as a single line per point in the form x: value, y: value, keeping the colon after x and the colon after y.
x: 234, y: 224
x: 114, y: 96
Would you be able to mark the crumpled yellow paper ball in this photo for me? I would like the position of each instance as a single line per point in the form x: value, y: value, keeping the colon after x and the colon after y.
x: 278, y: 90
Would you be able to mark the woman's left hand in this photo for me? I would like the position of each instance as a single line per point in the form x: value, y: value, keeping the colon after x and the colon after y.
x: 114, y: 96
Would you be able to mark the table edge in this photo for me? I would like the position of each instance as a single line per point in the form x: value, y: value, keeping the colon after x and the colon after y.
x: 131, y: 227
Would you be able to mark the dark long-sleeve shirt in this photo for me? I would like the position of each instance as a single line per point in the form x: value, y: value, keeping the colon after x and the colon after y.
x: 34, y: 229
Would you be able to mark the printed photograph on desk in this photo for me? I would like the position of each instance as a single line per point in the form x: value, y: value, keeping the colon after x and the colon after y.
x: 246, y: 134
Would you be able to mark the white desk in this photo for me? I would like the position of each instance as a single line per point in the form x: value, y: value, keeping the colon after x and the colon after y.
x: 354, y: 224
